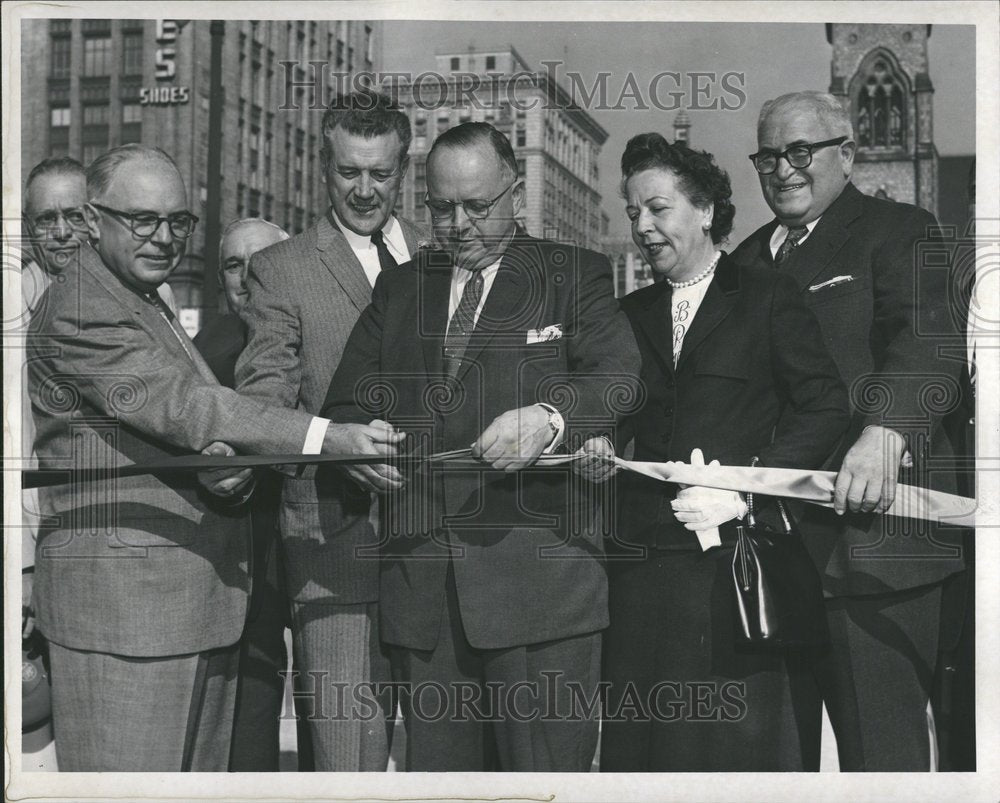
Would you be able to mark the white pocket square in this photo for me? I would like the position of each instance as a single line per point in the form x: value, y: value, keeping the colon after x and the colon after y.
x: 553, y: 332
x: 831, y: 283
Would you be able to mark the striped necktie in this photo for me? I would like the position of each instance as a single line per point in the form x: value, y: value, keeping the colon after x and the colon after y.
x: 795, y: 234
x: 462, y: 323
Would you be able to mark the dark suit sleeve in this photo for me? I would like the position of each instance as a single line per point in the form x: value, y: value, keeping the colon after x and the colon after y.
x: 348, y: 399
x: 603, y: 357
x: 816, y: 412
x: 910, y: 309
x: 269, y: 365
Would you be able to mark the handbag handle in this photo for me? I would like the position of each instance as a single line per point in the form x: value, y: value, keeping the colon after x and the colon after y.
x: 781, y: 506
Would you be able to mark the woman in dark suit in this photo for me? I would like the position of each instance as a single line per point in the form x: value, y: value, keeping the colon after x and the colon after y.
x: 734, y: 366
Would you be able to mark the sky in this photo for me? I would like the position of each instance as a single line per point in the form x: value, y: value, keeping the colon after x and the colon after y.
x: 772, y: 57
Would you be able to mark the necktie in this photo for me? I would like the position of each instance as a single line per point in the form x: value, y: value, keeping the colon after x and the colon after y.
x: 181, y: 335
x: 795, y: 233
x: 385, y: 259
x: 462, y: 324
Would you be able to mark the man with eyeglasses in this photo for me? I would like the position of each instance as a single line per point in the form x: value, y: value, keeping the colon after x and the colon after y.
x: 493, y: 589
x: 142, y: 581
x: 857, y: 263
x: 304, y: 296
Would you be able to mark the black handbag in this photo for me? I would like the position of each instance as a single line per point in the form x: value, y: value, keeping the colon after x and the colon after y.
x: 779, y: 594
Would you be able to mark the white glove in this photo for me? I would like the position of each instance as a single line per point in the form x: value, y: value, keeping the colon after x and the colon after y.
x: 704, y: 509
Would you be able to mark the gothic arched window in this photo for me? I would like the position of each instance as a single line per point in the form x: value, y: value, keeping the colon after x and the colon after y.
x: 880, y: 104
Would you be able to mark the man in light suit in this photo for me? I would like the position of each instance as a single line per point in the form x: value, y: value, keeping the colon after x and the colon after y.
x: 492, y: 578
x: 856, y: 261
x: 141, y: 582
x: 304, y: 297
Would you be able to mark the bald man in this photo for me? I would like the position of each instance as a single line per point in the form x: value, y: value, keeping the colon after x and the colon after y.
x: 263, y: 657
x: 142, y: 581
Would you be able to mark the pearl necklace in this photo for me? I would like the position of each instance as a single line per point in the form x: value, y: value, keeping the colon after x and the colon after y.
x: 700, y: 276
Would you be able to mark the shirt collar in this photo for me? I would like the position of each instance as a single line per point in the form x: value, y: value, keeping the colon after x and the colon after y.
x: 392, y: 232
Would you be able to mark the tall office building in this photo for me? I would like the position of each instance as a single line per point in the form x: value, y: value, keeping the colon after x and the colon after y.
x: 91, y: 84
x: 556, y: 143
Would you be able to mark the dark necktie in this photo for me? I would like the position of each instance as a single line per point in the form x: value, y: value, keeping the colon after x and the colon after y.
x: 385, y: 259
x: 462, y: 324
x: 795, y: 234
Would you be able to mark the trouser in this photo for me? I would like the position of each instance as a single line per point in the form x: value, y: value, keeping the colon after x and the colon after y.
x: 516, y: 709
x: 338, y: 657
x: 261, y: 687
x: 112, y: 713
x: 875, y: 678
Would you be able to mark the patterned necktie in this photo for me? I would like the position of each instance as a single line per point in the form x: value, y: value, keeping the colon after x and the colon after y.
x: 795, y: 234
x: 462, y: 323
x: 385, y: 259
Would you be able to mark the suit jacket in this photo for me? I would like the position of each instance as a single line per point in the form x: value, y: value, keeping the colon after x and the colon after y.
x: 526, y: 547
x: 306, y: 294
x: 883, y: 329
x: 753, y: 355
x: 147, y: 565
x: 220, y: 342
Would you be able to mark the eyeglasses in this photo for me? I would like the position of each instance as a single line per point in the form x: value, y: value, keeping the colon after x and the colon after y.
x: 49, y: 220
x: 146, y: 224
x: 475, y: 208
x: 797, y: 156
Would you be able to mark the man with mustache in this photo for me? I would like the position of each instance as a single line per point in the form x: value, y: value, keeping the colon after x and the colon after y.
x: 493, y: 588
x: 305, y: 295
x: 142, y: 580
x: 856, y: 261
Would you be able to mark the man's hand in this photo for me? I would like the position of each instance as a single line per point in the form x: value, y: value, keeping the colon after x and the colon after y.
x: 867, y: 478
x: 27, y: 611
x: 226, y: 483
x: 599, y: 464
x: 515, y: 439
x: 376, y: 438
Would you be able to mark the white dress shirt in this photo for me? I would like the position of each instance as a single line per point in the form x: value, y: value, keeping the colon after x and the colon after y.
x: 367, y: 254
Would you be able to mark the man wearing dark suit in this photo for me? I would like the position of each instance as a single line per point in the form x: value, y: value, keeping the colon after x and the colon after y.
x: 263, y: 659
x: 489, y: 577
x: 141, y: 582
x: 855, y: 260
x: 304, y: 297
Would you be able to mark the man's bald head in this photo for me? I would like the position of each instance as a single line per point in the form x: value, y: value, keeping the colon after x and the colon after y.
x: 240, y: 241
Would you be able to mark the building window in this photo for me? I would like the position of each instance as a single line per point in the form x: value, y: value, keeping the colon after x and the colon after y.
x: 97, y: 55
x: 92, y: 150
x: 491, y: 62
x: 455, y: 62
x: 880, y: 107
x: 96, y: 115
x: 522, y: 137
x: 254, y: 148
x: 60, y: 58
x: 61, y: 118
x: 131, y: 113
x: 253, y: 208
x: 132, y: 54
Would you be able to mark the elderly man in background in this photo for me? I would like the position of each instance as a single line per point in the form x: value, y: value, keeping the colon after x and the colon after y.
x: 256, y: 746
x: 305, y: 296
x: 142, y: 580
x: 855, y: 260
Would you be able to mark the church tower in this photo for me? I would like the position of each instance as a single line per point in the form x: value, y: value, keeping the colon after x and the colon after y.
x: 880, y: 74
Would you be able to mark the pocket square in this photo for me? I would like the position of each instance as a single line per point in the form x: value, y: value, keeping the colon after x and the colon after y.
x: 553, y: 332
x: 836, y: 280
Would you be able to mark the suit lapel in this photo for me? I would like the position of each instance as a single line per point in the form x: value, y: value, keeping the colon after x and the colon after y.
x: 412, y: 236
x: 812, y: 257
x: 434, y: 288
x: 153, y: 320
x: 343, y: 264
x: 653, y: 317
x: 719, y: 300
x: 503, y: 302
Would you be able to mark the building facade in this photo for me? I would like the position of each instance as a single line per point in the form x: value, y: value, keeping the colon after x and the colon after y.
x: 556, y: 143
x: 880, y: 73
x: 92, y: 84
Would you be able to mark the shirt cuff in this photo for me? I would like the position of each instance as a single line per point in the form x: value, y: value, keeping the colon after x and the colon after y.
x: 315, y: 436
x: 558, y: 425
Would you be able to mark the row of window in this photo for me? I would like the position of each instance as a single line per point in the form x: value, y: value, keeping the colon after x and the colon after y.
x: 97, y: 55
x: 62, y: 116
